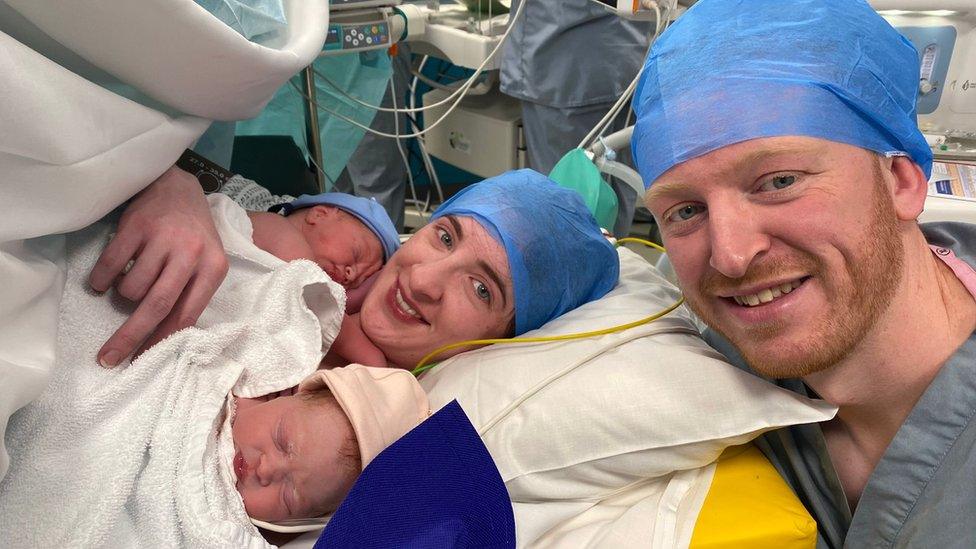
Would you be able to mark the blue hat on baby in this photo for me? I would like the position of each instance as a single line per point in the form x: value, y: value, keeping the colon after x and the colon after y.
x: 367, y: 210
x: 558, y: 257
x: 732, y: 70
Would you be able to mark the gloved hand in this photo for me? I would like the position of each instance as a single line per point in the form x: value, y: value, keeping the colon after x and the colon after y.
x: 177, y: 261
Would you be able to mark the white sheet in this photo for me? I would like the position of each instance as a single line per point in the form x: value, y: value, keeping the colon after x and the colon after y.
x: 130, y: 457
x: 607, y: 439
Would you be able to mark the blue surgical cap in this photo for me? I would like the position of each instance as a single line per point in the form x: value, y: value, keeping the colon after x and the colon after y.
x: 558, y: 257
x: 732, y: 70
x: 367, y: 210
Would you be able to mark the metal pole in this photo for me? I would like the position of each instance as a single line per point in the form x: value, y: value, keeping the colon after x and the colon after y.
x: 312, y: 126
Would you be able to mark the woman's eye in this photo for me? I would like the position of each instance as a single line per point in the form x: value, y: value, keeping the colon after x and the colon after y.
x: 686, y: 212
x: 445, y: 237
x: 481, y: 291
x: 779, y: 182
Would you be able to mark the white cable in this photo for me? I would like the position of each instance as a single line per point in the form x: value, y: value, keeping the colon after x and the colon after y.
x: 422, y: 142
x: 413, y: 82
x: 434, y: 179
x: 354, y: 99
x: 423, y: 207
x: 320, y: 170
x: 450, y: 88
x: 650, y: 42
x: 413, y: 103
x: 437, y: 122
x: 396, y: 128
x: 604, y: 123
x: 309, y: 156
x: 470, y: 82
x: 443, y: 117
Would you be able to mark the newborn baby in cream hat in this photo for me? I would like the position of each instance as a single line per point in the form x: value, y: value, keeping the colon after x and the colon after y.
x: 298, y: 456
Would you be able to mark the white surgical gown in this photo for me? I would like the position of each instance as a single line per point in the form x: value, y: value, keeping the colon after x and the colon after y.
x: 72, y: 148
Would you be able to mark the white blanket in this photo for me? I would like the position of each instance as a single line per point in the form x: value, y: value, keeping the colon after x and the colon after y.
x: 138, y: 456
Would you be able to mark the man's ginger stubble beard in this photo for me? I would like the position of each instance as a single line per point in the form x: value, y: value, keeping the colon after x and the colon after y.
x: 874, y: 277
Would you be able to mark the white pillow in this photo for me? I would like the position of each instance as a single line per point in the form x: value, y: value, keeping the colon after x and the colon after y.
x: 583, y: 419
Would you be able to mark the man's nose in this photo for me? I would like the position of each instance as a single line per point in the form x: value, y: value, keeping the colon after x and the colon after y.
x: 736, y: 238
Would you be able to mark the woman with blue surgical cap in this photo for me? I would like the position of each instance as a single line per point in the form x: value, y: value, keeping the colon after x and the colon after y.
x: 500, y: 258
x: 787, y: 172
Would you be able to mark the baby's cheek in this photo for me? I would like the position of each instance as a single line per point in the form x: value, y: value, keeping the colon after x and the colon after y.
x: 243, y: 492
x: 256, y: 504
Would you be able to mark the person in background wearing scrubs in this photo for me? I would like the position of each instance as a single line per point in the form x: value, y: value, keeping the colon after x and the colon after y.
x: 376, y: 169
x: 787, y: 192
x: 568, y: 62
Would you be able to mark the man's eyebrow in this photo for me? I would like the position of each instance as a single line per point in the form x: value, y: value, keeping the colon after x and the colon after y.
x: 493, y: 275
x: 457, y: 227
x: 681, y: 187
x: 663, y: 189
x: 781, y: 150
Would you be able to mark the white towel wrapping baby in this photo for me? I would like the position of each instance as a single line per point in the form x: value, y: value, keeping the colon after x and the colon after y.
x: 132, y: 457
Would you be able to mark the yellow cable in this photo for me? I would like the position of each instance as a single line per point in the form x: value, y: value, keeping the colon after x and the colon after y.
x: 648, y: 243
x: 422, y: 366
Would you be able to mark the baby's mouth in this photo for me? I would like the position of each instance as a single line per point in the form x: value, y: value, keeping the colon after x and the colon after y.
x: 240, y: 466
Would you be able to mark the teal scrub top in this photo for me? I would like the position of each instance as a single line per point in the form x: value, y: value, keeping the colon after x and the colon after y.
x: 923, y: 491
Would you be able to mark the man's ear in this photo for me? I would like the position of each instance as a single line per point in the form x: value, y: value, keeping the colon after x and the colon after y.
x: 909, y: 187
x: 318, y: 213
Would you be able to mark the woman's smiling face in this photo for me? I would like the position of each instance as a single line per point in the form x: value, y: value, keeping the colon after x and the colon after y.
x: 450, y: 282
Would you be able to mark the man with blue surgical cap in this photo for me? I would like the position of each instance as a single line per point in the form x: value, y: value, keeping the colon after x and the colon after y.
x: 784, y: 166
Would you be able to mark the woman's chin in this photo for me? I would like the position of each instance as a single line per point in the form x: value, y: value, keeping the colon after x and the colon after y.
x: 396, y: 360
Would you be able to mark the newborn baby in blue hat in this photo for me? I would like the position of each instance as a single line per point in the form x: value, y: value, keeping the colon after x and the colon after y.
x: 348, y: 236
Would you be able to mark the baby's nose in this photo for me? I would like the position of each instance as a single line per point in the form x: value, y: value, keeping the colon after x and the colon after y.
x: 265, y: 471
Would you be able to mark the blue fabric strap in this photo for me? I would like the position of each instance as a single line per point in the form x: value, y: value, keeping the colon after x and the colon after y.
x: 435, y: 487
